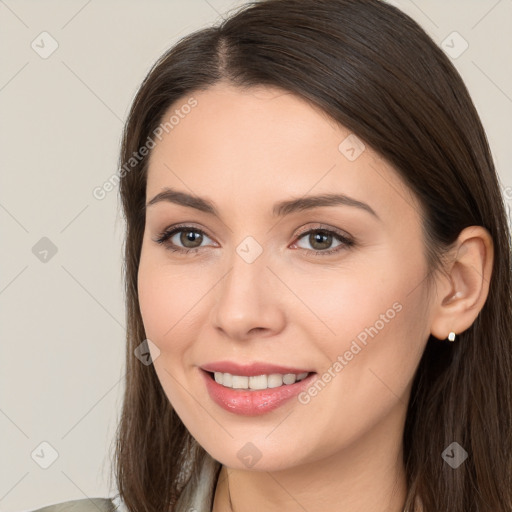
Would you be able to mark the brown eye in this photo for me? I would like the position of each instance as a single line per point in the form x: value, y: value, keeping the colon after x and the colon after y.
x: 321, y: 240
x: 182, y: 239
x: 192, y: 237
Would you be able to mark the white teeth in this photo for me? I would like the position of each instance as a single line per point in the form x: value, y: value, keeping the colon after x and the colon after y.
x: 258, y: 382
x: 273, y: 380
x: 227, y: 380
x: 240, y: 382
x: 289, y: 378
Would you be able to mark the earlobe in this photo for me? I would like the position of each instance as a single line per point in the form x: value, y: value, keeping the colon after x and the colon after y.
x: 464, y: 286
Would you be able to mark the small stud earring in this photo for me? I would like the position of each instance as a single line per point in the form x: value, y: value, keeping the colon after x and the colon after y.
x: 451, y: 336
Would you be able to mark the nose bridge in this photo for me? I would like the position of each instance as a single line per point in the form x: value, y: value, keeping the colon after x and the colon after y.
x: 244, y: 285
x: 245, y: 298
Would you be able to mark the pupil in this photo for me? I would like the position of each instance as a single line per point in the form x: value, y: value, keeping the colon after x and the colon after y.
x: 190, y: 236
x: 322, y: 238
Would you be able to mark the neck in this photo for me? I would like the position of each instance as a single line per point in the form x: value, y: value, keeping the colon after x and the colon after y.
x: 366, y: 475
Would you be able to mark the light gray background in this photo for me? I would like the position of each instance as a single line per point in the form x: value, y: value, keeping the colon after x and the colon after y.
x: 62, y: 321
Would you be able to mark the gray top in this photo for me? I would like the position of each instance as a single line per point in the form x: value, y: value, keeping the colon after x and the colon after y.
x: 84, y: 505
x: 197, y: 496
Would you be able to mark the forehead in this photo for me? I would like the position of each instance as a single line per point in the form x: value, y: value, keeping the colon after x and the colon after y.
x: 243, y: 146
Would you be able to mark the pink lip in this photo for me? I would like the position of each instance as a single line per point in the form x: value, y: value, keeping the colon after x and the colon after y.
x: 253, y: 402
x: 250, y: 370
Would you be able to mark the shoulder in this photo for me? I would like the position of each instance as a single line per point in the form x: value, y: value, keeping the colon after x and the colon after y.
x: 84, y: 505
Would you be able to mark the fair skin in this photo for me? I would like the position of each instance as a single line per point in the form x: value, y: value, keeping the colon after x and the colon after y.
x: 244, y: 151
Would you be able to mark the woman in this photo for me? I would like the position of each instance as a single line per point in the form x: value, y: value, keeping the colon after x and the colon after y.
x: 318, y: 268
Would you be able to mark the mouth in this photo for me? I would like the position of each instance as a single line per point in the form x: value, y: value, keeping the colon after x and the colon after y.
x: 238, y: 397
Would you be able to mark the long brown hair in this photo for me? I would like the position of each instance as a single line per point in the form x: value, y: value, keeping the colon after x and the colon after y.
x: 373, y: 69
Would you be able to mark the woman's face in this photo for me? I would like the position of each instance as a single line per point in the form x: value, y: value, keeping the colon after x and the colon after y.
x: 348, y: 301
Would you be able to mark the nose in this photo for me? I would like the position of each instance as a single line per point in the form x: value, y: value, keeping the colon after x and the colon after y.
x: 249, y: 301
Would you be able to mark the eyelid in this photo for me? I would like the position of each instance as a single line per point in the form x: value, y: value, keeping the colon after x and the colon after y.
x: 170, y: 231
x: 323, y: 227
x: 346, y: 241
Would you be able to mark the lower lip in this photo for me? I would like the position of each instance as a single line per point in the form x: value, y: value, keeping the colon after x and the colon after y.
x: 255, y: 402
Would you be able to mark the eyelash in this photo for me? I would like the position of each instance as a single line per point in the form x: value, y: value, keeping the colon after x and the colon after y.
x: 170, y: 232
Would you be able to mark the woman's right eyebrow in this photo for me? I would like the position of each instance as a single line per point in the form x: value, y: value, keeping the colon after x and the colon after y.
x: 184, y: 199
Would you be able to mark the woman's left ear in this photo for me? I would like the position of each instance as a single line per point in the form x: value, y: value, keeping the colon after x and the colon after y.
x: 461, y: 291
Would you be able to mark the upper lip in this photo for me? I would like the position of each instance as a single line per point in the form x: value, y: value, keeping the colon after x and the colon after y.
x: 250, y: 370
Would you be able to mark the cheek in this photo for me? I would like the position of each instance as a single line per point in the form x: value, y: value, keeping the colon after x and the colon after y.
x: 166, y: 299
x: 153, y: 301
x: 371, y: 317
x: 348, y: 301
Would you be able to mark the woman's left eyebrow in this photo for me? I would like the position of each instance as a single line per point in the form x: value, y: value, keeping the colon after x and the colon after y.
x: 307, y: 202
